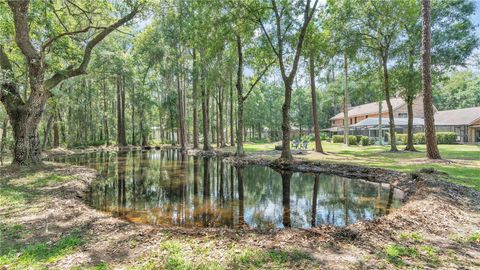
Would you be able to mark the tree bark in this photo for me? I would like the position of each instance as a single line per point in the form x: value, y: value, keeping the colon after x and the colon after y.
x: 318, y: 142
x: 181, y: 118
x: 410, y: 146
x: 105, y: 113
x: 56, y: 139
x: 47, y: 131
x: 346, y: 101
x: 134, y: 142
x: 430, y: 134
x: 4, y: 138
x: 232, y: 127
x: 239, y: 85
x: 195, y: 100
x: 386, y: 89
x: 121, y: 138
x: 205, y: 97
x: 220, y: 116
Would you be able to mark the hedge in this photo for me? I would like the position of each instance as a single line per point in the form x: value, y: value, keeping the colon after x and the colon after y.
x: 352, y: 139
x: 402, y: 138
x: 365, y: 141
x: 446, y: 137
x: 337, y: 138
x: 419, y: 138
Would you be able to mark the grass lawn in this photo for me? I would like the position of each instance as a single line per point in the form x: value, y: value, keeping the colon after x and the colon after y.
x: 462, y: 161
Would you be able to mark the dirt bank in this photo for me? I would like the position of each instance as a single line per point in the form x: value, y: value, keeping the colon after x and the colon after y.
x: 433, y: 229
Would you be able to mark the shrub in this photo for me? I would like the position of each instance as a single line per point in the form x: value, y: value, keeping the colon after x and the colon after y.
x: 352, y: 140
x: 419, y: 138
x: 359, y: 139
x: 337, y: 138
x: 442, y: 138
x: 324, y: 136
x: 402, y: 138
x: 446, y: 137
x: 364, y: 140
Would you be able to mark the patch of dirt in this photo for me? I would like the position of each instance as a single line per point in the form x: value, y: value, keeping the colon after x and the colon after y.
x: 434, y: 207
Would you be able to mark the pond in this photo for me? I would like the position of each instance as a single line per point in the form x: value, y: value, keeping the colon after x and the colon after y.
x: 166, y: 187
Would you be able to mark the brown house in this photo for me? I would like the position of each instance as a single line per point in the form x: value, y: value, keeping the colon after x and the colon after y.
x: 371, y: 110
x: 465, y: 122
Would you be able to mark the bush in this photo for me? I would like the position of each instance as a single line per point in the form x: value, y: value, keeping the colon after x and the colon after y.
x: 419, y: 138
x: 442, y: 138
x: 352, y: 140
x: 446, y: 137
x: 365, y: 141
x: 337, y: 138
x: 402, y: 138
x: 359, y: 139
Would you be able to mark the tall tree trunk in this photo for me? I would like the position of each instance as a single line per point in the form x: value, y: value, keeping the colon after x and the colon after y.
x: 346, y: 101
x: 220, y: 116
x: 121, y: 138
x: 47, y: 131
x: 386, y: 88
x: 286, y: 153
x: 105, y: 113
x: 239, y: 85
x: 430, y: 135
x: 232, y: 126
x: 133, y: 114
x: 205, y: 97
x: 316, y: 127
x: 56, y: 139
x: 195, y: 100
x: 181, y: 118
x: 410, y: 146
x: 4, y: 139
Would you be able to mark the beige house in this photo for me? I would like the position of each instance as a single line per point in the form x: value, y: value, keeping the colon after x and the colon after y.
x: 364, y: 120
x: 371, y: 110
x: 465, y: 122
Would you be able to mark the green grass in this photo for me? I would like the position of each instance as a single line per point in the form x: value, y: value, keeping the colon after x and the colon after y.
x: 187, y: 254
x: 19, y: 248
x: 464, y: 168
x: 37, y: 255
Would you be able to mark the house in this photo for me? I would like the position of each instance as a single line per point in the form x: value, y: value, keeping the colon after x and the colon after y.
x: 371, y: 110
x: 364, y: 120
x: 465, y: 122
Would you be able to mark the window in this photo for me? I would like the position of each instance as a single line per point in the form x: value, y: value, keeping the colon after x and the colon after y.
x: 403, y: 115
x: 366, y: 116
x: 355, y: 119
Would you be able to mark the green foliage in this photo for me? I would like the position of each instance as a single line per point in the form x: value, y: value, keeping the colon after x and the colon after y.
x: 337, y: 138
x: 401, y: 138
x: 446, y: 137
x: 395, y: 254
x: 352, y: 139
x: 419, y: 138
x: 365, y: 141
x: 442, y: 138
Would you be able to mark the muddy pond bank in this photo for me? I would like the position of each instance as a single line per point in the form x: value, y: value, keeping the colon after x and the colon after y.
x: 434, y: 228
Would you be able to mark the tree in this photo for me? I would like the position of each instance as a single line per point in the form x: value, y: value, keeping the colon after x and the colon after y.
x: 25, y: 115
x: 379, y: 28
x: 430, y: 136
x: 288, y: 12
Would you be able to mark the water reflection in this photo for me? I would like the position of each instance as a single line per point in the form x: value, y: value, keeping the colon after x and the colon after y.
x: 170, y: 188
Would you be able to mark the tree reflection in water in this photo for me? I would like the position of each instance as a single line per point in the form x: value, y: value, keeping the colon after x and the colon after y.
x: 167, y: 187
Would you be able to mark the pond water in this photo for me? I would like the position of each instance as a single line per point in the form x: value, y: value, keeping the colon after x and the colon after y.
x: 166, y: 187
